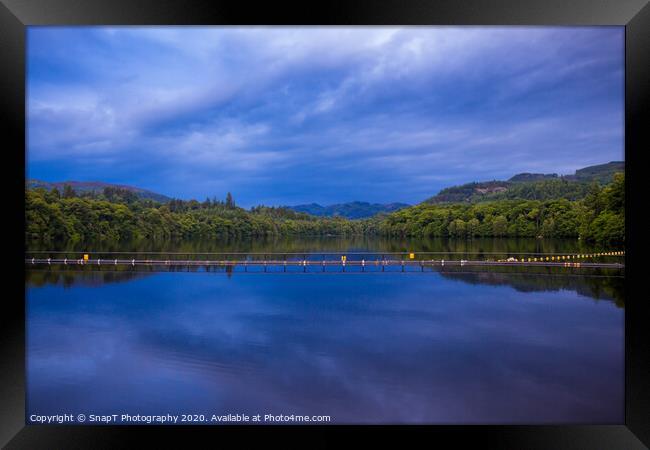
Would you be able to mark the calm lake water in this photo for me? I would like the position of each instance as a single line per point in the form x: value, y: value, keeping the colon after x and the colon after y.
x: 446, y: 346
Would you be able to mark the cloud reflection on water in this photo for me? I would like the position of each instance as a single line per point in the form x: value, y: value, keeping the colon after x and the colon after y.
x: 371, y: 348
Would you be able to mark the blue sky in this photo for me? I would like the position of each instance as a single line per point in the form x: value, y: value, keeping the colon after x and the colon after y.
x: 283, y: 116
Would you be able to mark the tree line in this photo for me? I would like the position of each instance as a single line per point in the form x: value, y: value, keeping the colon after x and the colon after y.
x: 120, y: 215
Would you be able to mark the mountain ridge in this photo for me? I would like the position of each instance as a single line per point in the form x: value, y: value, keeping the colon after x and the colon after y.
x: 96, y: 187
x: 349, y: 210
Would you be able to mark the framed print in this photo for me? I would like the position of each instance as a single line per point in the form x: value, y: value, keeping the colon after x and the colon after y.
x: 402, y: 221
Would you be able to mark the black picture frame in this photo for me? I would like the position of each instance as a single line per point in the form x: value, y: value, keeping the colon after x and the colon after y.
x: 16, y: 15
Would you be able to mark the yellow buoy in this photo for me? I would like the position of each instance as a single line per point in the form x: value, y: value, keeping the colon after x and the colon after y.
x: 85, y: 257
x: 412, y: 255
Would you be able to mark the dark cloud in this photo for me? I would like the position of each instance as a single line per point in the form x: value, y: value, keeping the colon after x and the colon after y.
x: 287, y: 115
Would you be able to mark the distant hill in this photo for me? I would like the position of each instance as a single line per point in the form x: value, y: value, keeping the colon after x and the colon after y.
x: 467, y: 191
x: 528, y: 177
x: 603, y: 173
x: 95, y: 186
x: 351, y: 210
x: 532, y: 186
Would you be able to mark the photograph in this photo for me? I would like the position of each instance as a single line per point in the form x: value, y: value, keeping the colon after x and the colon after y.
x: 325, y: 225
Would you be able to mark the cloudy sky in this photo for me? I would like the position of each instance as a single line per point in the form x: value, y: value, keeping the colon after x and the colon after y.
x: 334, y: 114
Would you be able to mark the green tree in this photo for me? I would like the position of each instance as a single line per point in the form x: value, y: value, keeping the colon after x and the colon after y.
x: 55, y: 193
x: 473, y: 227
x: 499, y: 226
x: 230, y: 203
x: 68, y: 192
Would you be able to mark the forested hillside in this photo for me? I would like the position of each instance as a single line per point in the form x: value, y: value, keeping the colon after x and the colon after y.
x: 533, y: 186
x: 95, y: 187
x: 599, y: 217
